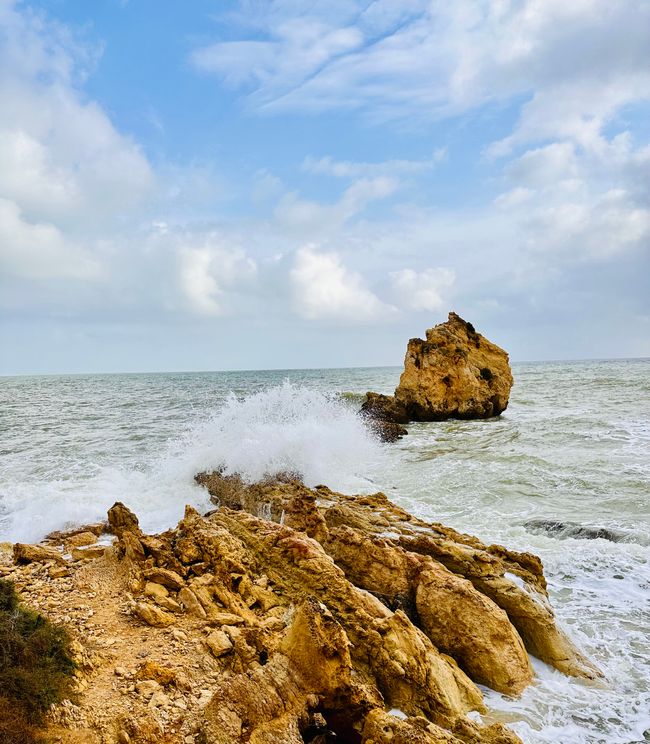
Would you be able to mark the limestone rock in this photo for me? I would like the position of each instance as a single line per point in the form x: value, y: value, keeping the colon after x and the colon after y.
x: 312, y: 616
x: 58, y: 572
x: 485, y: 637
x: 147, y: 688
x: 25, y: 553
x: 153, y: 615
x: 460, y: 620
x: 154, y: 671
x: 219, y: 643
x: 165, y: 577
x: 80, y: 539
x: 385, y: 416
x: 61, y: 536
x: 454, y: 373
x: 384, y: 408
x: 88, y: 553
x: 122, y: 519
x: 189, y: 601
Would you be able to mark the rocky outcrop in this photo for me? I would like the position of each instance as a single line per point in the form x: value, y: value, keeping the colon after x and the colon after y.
x: 384, y: 408
x: 478, y: 603
x: 25, y: 553
x: 292, y: 615
x: 453, y: 373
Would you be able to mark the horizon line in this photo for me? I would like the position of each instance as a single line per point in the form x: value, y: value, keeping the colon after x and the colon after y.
x: 296, y: 369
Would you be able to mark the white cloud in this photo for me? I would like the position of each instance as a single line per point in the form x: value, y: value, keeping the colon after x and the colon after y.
x: 209, y: 271
x: 299, y: 47
x: 422, y: 290
x: 65, y: 171
x: 349, y: 169
x: 581, y: 60
x: 324, y: 288
x: 585, y: 205
x: 303, y: 215
x: 40, y: 250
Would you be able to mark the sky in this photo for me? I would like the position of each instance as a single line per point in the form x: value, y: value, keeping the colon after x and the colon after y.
x: 218, y: 184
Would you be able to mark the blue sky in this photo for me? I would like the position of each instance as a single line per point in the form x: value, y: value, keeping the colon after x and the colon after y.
x: 216, y: 185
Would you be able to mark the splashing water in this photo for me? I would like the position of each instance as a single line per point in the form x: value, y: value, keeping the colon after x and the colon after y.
x: 286, y: 428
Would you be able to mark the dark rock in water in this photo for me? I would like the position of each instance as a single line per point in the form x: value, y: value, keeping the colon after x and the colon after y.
x: 388, y: 431
x: 563, y: 530
x: 385, y: 416
x: 384, y: 408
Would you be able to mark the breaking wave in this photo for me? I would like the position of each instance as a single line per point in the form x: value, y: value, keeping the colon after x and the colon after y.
x: 287, y: 428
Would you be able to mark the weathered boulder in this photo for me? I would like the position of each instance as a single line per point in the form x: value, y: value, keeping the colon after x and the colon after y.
x: 121, y: 519
x: 454, y: 373
x: 152, y: 615
x: 80, y: 539
x: 26, y: 553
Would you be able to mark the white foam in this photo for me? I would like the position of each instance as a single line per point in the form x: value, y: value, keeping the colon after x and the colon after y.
x: 284, y: 428
x: 287, y: 429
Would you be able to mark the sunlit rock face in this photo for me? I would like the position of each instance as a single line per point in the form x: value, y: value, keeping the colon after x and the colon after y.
x: 454, y: 373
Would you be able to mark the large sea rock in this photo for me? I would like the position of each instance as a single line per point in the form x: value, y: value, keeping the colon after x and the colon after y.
x: 454, y: 372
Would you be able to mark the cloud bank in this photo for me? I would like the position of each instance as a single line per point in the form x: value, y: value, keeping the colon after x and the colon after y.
x: 551, y: 218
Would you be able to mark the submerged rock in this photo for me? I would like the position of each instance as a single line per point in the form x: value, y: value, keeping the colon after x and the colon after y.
x: 565, y: 529
x: 385, y: 416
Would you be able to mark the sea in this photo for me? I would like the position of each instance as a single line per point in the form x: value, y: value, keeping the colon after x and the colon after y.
x: 563, y: 473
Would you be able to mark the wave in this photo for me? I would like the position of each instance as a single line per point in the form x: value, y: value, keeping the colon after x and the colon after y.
x: 287, y: 428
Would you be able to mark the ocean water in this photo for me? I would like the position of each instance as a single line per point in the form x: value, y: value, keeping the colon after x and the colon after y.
x: 564, y: 473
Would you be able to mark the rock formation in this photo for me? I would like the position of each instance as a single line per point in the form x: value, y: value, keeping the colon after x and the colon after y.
x: 292, y: 615
x: 454, y: 373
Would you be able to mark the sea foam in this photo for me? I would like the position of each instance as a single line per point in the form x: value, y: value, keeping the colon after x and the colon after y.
x: 287, y: 428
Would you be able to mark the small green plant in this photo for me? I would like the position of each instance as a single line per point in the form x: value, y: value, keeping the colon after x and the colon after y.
x: 36, y: 668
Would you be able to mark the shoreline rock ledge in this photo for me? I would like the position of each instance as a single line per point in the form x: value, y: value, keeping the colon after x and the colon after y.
x: 291, y: 615
x: 454, y: 372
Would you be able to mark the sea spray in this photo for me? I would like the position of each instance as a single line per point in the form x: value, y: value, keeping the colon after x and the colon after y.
x: 285, y: 428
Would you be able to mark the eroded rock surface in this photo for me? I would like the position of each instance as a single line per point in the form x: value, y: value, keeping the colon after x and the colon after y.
x: 454, y: 373
x: 385, y: 416
x: 292, y: 615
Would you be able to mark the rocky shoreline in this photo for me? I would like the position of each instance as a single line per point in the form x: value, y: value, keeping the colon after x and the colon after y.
x: 289, y: 615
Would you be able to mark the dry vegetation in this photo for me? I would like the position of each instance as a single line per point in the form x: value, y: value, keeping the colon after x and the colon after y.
x: 36, y: 668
